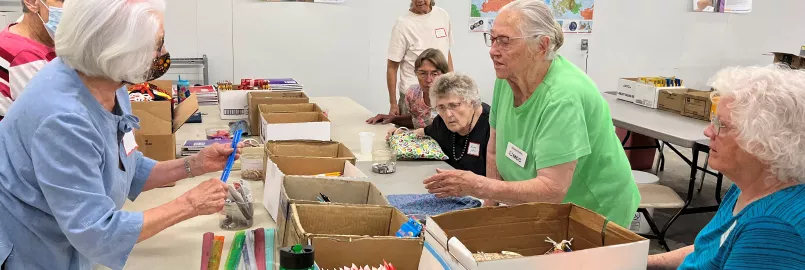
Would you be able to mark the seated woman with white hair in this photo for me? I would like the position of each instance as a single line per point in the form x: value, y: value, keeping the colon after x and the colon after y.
x: 68, y: 158
x: 757, y: 140
x: 462, y: 126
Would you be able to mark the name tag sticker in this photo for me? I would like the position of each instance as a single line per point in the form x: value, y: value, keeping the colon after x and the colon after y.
x: 129, y: 144
x: 441, y: 33
x: 474, y: 149
x: 516, y: 154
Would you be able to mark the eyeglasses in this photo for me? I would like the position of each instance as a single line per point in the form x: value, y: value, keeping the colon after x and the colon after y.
x: 452, y: 106
x: 717, y: 125
x: 424, y: 74
x: 503, y: 41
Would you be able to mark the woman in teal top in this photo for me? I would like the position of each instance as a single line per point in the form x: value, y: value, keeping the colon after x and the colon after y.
x: 552, y: 137
x: 757, y: 140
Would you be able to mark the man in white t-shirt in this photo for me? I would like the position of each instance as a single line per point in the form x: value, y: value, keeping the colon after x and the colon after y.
x: 425, y: 26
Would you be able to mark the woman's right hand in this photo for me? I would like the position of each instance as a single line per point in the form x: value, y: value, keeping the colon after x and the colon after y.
x: 207, y: 198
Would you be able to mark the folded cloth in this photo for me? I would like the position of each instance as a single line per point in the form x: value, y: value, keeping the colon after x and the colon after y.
x: 420, y: 206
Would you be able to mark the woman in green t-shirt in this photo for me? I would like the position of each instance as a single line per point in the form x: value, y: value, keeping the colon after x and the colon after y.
x: 552, y: 137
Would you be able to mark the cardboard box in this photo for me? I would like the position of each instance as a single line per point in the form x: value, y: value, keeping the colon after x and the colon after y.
x: 648, y: 95
x: 792, y: 60
x: 309, y: 148
x: 523, y: 229
x: 295, y: 126
x: 672, y: 100
x: 697, y: 105
x: 626, y: 88
x: 289, y: 108
x: 255, y: 99
x: 306, y: 189
x: 159, y: 122
x: 340, y: 233
x: 234, y: 104
x: 278, y: 167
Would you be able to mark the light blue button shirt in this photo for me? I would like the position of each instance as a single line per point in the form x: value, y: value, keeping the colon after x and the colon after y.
x: 64, y: 176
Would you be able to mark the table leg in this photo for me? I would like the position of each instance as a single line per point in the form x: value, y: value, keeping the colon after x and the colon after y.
x: 626, y: 138
x: 691, y: 187
x: 719, y: 181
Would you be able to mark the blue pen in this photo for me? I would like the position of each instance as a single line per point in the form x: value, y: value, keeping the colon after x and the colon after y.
x: 231, y: 160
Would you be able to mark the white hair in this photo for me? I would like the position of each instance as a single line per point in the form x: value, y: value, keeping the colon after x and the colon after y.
x: 115, y: 39
x: 457, y: 84
x: 767, y: 109
x: 536, y: 20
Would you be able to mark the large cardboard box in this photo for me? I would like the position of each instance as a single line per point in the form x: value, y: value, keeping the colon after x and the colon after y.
x: 306, y: 189
x: 295, y: 126
x: 597, y: 244
x: 289, y: 108
x: 255, y: 99
x: 792, y: 60
x: 697, y: 105
x: 278, y: 167
x: 672, y: 100
x: 626, y: 88
x: 234, y: 104
x: 366, y: 234
x: 309, y: 148
x: 159, y: 122
x: 647, y: 95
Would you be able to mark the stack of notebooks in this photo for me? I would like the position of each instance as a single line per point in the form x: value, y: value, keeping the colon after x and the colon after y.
x: 206, y: 94
x: 284, y: 84
x: 192, y: 147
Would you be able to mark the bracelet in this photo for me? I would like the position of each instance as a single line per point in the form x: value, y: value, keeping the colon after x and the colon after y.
x: 187, y: 167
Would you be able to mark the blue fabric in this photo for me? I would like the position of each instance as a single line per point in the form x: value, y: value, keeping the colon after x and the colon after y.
x: 420, y: 206
x: 64, y: 176
x: 767, y: 234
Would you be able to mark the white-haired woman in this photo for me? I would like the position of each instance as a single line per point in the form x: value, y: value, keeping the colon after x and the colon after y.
x: 757, y: 140
x: 552, y: 137
x: 462, y: 126
x: 68, y: 159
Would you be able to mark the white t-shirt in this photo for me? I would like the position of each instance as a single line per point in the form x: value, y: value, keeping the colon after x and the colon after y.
x: 413, y: 34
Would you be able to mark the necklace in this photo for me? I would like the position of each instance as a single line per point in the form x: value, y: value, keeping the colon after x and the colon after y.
x: 466, y: 140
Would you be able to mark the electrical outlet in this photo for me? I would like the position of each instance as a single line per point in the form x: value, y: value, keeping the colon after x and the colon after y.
x: 585, y: 45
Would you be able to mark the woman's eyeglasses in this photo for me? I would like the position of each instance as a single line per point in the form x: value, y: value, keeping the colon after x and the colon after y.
x: 452, y: 106
x: 717, y: 125
x: 424, y: 74
x: 503, y: 41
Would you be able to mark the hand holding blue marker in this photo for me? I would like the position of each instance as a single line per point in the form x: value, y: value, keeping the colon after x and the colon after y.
x: 231, y: 161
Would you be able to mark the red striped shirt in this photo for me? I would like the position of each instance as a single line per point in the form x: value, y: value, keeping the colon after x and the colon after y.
x: 20, y: 59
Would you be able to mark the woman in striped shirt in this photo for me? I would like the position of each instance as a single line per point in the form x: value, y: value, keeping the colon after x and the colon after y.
x: 757, y: 140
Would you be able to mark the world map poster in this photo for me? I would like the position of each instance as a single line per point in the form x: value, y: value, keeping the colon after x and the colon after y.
x: 575, y: 16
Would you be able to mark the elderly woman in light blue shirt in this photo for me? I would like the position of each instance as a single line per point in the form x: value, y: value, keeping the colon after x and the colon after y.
x: 67, y: 155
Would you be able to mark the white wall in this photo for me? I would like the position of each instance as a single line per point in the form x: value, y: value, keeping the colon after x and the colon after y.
x: 340, y: 49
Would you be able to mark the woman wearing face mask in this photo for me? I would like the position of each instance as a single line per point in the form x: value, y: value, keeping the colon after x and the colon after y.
x: 68, y: 159
x: 552, y: 138
x: 462, y: 126
x: 429, y: 65
x: 26, y: 47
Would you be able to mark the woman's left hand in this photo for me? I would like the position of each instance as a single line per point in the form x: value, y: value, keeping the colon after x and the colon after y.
x: 213, y: 158
x: 453, y: 183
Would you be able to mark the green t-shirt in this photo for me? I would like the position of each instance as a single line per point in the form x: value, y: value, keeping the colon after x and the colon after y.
x: 566, y: 119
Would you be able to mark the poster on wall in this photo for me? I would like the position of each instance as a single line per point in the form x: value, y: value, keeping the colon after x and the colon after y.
x: 575, y: 16
x: 723, y: 6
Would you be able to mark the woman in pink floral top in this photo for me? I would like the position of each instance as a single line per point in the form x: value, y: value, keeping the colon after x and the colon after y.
x: 430, y: 65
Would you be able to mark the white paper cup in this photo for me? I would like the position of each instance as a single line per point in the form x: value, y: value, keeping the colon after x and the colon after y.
x: 367, y: 138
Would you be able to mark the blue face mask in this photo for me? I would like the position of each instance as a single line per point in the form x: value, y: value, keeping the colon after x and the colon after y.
x: 54, y: 17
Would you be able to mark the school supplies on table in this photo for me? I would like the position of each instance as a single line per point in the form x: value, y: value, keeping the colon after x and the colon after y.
x: 323, y: 198
x: 233, y: 260
x: 260, y: 248
x: 559, y: 247
x: 217, y: 251
x: 231, y: 160
x: 270, y: 234
x: 297, y: 257
x: 411, y: 228
x: 206, y: 249
x: 238, y: 210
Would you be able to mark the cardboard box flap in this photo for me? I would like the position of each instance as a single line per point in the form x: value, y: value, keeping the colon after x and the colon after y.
x: 304, y: 148
x: 184, y: 111
x: 298, y: 165
x: 155, y: 117
x: 288, y: 108
x: 404, y: 254
x: 166, y: 85
x: 338, y: 190
x: 302, y: 117
x: 345, y: 219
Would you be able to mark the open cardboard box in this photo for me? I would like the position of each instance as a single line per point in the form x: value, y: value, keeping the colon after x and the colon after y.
x: 234, y: 104
x: 255, y: 99
x: 792, y: 60
x: 309, y: 148
x: 278, y: 167
x: 360, y: 234
x: 647, y: 95
x: 305, y: 189
x: 597, y: 244
x: 672, y: 100
x: 159, y: 122
x: 295, y: 126
x: 697, y: 105
x: 289, y: 108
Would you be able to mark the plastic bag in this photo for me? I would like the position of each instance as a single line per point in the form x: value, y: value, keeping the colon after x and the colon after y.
x: 409, y: 146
